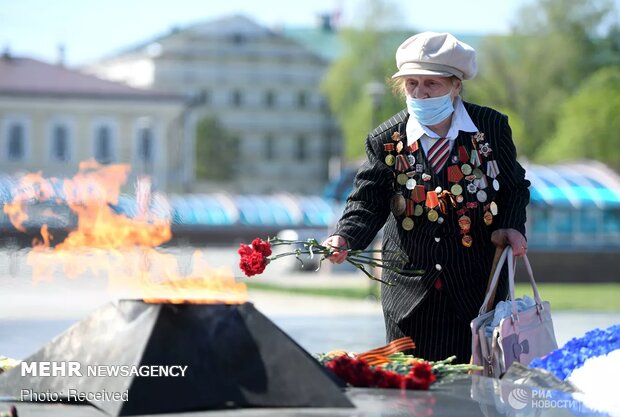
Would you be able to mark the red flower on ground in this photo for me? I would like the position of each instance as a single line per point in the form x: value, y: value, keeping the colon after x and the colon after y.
x: 254, y: 258
x: 421, y: 376
x: 387, y: 379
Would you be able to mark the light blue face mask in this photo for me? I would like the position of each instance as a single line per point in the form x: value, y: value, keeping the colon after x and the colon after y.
x: 430, y: 111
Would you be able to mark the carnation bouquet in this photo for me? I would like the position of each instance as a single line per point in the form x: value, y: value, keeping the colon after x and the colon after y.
x: 256, y: 256
x: 386, y: 367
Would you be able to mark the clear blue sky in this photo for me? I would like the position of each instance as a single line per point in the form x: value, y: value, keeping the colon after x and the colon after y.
x: 90, y: 29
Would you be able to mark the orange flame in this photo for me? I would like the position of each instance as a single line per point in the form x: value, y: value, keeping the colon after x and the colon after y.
x: 112, y: 244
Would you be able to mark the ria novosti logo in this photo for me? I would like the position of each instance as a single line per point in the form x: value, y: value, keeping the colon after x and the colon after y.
x: 520, y: 398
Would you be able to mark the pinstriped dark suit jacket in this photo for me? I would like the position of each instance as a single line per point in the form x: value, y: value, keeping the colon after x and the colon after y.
x: 433, y: 247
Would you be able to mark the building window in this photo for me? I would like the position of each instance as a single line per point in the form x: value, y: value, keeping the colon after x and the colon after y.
x: 302, y: 99
x: 270, y: 148
x: 17, y: 142
x: 103, y: 145
x: 238, y: 39
x: 301, y: 151
x: 146, y: 145
x: 237, y: 98
x: 270, y: 99
x: 60, y: 143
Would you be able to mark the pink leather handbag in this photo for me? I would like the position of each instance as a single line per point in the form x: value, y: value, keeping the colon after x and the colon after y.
x: 519, y: 337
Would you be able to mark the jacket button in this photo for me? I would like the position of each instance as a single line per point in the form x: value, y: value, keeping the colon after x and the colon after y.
x: 438, y: 267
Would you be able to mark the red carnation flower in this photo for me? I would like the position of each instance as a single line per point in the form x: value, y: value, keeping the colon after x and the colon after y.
x: 262, y: 246
x: 387, y: 379
x: 420, y: 377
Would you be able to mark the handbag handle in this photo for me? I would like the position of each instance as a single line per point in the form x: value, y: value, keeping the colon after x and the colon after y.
x: 507, y: 254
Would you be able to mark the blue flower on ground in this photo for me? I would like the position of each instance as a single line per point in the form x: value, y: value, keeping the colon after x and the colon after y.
x: 562, y: 362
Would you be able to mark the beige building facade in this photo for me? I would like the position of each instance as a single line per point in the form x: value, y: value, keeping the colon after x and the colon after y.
x: 262, y: 86
x: 52, y: 117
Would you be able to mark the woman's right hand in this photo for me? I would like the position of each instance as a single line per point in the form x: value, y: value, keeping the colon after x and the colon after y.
x: 339, y: 247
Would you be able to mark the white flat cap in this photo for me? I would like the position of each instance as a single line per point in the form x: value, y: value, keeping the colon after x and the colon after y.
x: 431, y: 53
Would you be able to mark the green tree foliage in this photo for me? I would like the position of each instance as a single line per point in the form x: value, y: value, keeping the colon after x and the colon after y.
x: 589, y: 122
x: 529, y: 74
x: 215, y: 148
x: 368, y: 58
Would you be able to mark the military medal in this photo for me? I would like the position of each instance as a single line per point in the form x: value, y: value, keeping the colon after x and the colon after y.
x: 454, y: 173
x: 481, y: 182
x: 460, y: 198
x: 432, y: 201
x: 478, y: 136
x: 463, y: 156
x: 389, y: 159
x: 466, y: 169
x: 493, y: 208
x: 485, y: 149
x: 456, y: 189
x: 418, y: 194
x: 418, y: 210
x: 478, y: 173
x: 411, y: 159
x: 432, y: 215
x: 407, y: 222
x: 493, y: 172
x: 467, y: 241
x: 397, y: 204
x: 481, y: 195
x: 471, y: 188
x: 475, y: 158
x: 465, y: 226
x: 411, y: 183
x: 399, y: 147
x: 402, y: 163
x: 396, y: 136
x: 465, y: 223
x: 488, y: 218
x: 414, y: 146
x: 402, y: 179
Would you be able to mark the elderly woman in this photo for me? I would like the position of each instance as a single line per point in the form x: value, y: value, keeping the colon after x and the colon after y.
x: 442, y: 177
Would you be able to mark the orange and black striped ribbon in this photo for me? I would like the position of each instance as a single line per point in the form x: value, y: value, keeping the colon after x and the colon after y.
x: 380, y: 355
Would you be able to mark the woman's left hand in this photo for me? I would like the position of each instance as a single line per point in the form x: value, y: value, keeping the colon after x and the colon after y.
x: 512, y: 237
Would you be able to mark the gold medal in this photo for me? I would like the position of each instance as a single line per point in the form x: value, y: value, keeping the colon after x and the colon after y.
x: 398, y: 204
x: 402, y: 178
x: 466, y: 169
x: 432, y: 215
x: 488, y: 218
x: 418, y: 210
x: 467, y: 241
x: 390, y: 160
x: 464, y: 223
x: 456, y: 189
x: 407, y: 223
